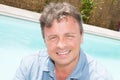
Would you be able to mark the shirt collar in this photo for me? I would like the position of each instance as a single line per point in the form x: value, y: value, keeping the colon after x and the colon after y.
x: 78, y: 69
x: 76, y: 74
x: 49, y: 67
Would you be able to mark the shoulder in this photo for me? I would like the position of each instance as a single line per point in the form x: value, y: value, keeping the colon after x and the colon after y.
x: 31, y: 65
x: 35, y: 58
x: 97, y: 70
x: 40, y: 54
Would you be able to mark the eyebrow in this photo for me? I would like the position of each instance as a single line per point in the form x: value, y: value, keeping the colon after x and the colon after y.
x: 70, y: 33
x: 54, y: 35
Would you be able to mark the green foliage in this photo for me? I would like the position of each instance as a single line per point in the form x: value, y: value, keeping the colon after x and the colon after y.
x: 87, y: 6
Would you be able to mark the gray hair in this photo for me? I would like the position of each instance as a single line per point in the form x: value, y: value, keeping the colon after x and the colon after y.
x: 57, y: 11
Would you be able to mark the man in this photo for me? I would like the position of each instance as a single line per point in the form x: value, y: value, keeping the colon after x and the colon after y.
x: 63, y: 59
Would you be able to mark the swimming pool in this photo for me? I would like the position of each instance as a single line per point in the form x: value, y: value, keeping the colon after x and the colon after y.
x: 20, y: 37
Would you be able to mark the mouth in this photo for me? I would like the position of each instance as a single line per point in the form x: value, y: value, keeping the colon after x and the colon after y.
x: 63, y: 52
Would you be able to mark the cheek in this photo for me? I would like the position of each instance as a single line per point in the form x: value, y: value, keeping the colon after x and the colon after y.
x: 77, y: 41
x: 76, y: 44
x: 50, y: 47
x: 73, y: 43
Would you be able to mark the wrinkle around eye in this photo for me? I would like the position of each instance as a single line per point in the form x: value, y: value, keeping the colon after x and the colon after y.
x: 52, y: 38
x: 70, y: 36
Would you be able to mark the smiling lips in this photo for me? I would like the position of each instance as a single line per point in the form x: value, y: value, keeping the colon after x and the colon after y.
x: 63, y: 52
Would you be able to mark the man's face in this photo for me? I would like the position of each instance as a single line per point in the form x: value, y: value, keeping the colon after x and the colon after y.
x: 63, y: 41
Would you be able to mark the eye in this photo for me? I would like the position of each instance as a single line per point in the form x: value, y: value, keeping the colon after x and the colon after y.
x: 52, y: 38
x: 70, y: 36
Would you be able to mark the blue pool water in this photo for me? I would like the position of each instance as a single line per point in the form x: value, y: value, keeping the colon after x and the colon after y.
x: 19, y: 38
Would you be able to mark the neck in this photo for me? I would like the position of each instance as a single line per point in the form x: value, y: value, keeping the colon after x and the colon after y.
x: 63, y: 71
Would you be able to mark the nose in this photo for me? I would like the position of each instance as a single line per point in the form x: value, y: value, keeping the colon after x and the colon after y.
x: 61, y: 43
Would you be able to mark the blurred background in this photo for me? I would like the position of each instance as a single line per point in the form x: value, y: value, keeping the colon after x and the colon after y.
x: 103, y: 13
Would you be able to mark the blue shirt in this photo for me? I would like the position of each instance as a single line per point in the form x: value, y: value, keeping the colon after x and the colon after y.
x: 40, y: 67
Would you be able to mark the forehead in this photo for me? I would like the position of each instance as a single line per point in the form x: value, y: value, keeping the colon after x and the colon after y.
x: 64, y: 24
x: 65, y: 19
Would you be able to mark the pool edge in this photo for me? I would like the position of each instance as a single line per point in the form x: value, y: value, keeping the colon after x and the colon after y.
x: 34, y: 16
